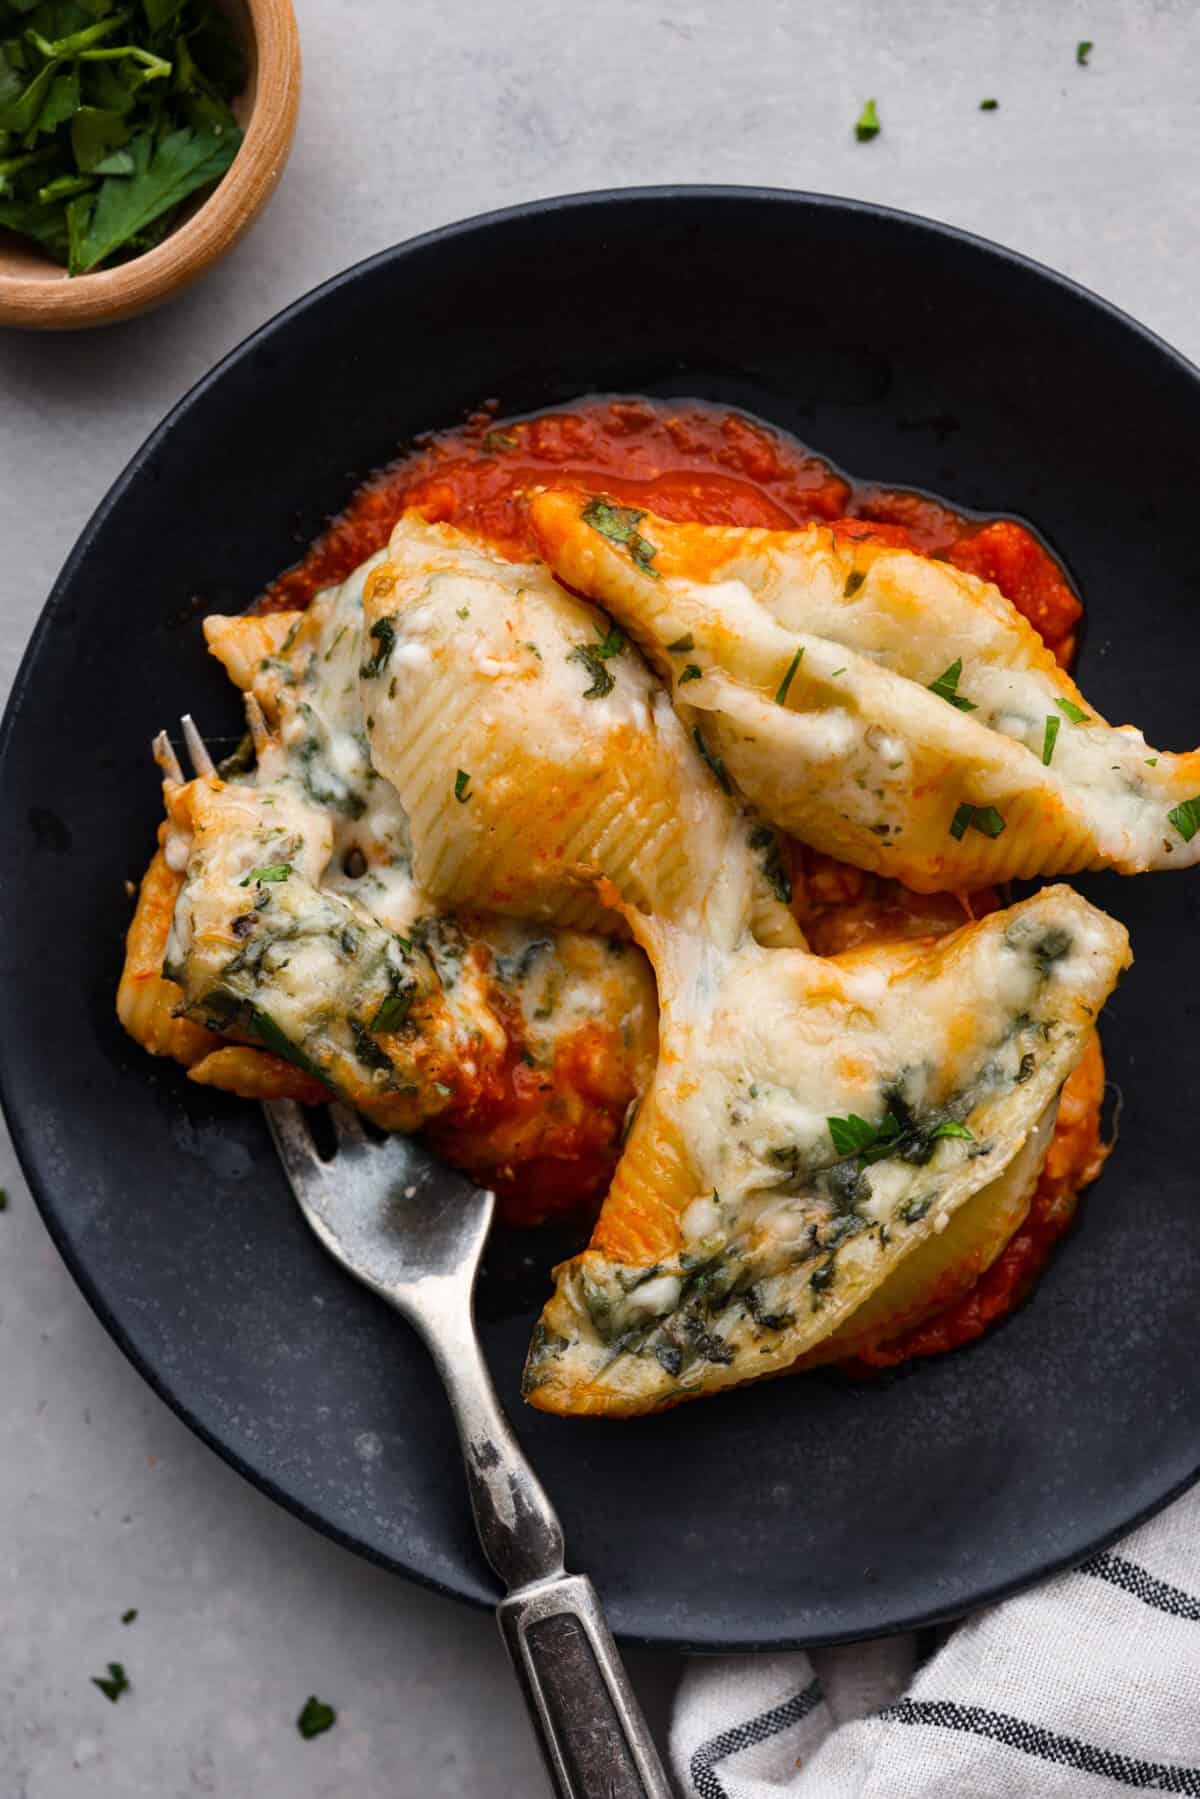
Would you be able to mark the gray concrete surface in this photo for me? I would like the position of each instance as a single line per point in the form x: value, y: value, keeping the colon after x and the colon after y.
x: 415, y: 114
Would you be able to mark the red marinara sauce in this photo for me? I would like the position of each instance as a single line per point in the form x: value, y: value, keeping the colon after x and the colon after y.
x: 690, y: 461
x: 686, y: 461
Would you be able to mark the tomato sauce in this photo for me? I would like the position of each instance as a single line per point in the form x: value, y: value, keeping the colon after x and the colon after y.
x: 686, y: 461
x: 549, y: 1141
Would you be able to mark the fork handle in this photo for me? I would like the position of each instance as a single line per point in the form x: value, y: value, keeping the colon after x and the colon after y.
x: 592, y: 1732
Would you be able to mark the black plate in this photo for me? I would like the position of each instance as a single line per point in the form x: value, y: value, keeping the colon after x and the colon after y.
x: 802, y: 1510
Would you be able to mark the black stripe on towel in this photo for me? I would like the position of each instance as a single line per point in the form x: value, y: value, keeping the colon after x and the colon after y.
x: 744, y: 1736
x: 1032, y: 1739
x: 1143, y: 1585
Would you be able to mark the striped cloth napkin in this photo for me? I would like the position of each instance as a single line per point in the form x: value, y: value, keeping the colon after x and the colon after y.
x: 1083, y: 1688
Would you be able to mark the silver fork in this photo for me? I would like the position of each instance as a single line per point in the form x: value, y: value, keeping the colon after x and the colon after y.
x: 413, y: 1230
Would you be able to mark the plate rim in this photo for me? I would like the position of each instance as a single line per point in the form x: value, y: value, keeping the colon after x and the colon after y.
x: 596, y: 199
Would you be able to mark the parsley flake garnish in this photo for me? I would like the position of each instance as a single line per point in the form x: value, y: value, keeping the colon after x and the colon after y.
x: 499, y: 440
x: 946, y: 687
x: 275, y: 872
x: 682, y: 645
x: 1186, y: 818
x: 1151, y: 761
x: 593, y: 656
x: 462, y: 786
x: 1083, y: 50
x: 988, y: 105
x: 793, y: 665
x: 951, y: 1129
x: 853, y: 1136
x: 1050, y: 738
x: 384, y: 633
x: 714, y: 762
x: 836, y: 673
x: 113, y: 1684
x: 690, y: 673
x: 315, y: 1717
x: 619, y: 524
x: 1070, y: 710
x: 129, y: 1616
x: 977, y: 818
x: 867, y: 124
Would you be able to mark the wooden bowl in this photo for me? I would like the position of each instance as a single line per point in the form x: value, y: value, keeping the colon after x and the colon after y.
x: 37, y: 295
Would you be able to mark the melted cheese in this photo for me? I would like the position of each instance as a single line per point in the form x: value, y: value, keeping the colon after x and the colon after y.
x: 533, y: 750
x: 738, y: 1181
x: 818, y: 658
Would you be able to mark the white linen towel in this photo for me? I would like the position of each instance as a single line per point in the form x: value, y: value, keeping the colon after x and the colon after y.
x: 1087, y: 1686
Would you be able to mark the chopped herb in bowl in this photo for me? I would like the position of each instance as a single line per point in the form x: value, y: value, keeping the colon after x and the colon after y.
x: 111, y: 116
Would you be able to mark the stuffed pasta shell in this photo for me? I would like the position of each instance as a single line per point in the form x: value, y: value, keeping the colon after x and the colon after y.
x: 812, y: 1126
x: 533, y: 750
x: 885, y: 707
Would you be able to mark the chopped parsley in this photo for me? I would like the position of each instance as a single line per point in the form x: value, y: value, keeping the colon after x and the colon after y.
x: 1070, y: 710
x: 690, y: 673
x: 988, y: 105
x: 1051, y: 738
x: 499, y: 440
x: 950, y: 1128
x: 1186, y: 818
x: 384, y: 633
x: 1083, y: 50
x: 619, y: 524
x: 315, y: 1717
x: 1151, y: 761
x: 854, y: 581
x: 867, y: 125
x: 976, y: 818
x: 273, y: 873
x: 714, y: 762
x: 462, y: 786
x: 793, y: 665
x: 593, y: 656
x: 129, y: 1616
x: 392, y: 1011
x: 946, y: 687
x: 682, y: 645
x: 837, y: 672
x: 853, y: 1136
x: 113, y: 1684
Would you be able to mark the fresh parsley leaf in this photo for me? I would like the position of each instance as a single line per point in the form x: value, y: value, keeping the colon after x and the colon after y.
x: 1070, y: 710
x: 988, y: 105
x: 619, y: 524
x: 1050, y: 738
x: 978, y: 818
x: 276, y: 871
x: 690, y: 673
x: 867, y: 124
x: 1186, y: 818
x: 714, y: 762
x: 793, y: 665
x: 946, y: 687
x: 462, y: 786
x: 682, y: 645
x: 1083, y: 50
x: 165, y: 172
x: 853, y: 1136
x: 951, y: 1129
x: 315, y: 1717
x: 113, y: 1684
